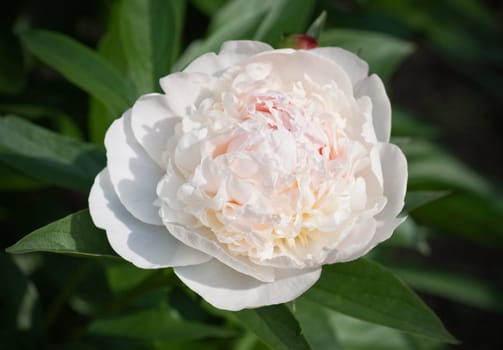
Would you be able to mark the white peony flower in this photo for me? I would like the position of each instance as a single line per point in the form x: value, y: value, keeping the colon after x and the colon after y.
x: 254, y: 169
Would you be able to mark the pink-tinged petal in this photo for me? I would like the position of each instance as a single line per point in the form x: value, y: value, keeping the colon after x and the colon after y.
x: 185, y: 90
x: 146, y: 246
x: 373, y: 87
x: 356, y: 68
x: 153, y: 123
x: 134, y: 175
x: 202, y: 240
x: 228, y: 289
x: 231, y: 53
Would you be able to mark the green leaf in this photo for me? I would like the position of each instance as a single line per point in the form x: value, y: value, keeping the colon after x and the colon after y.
x: 383, y: 53
x: 49, y: 156
x: 279, y: 17
x: 355, y: 334
x: 150, y: 33
x: 110, y: 47
x: 366, y: 290
x: 208, y: 7
x: 407, y: 124
x: 275, y: 326
x: 317, y: 26
x: 82, y: 66
x: 18, y: 298
x: 74, y: 234
x: 12, y: 64
x: 430, y: 167
x: 409, y: 235
x: 235, y: 28
x: 416, y: 199
x: 461, y: 288
x: 284, y: 17
x: 155, y: 324
x: 59, y: 120
x: 13, y: 180
x: 315, y: 324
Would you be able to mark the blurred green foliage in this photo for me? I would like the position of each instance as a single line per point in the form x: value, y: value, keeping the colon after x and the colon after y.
x: 68, y: 70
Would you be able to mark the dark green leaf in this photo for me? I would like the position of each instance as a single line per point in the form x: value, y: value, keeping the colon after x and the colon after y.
x: 150, y: 33
x: 315, y: 324
x: 13, y: 180
x: 12, y: 64
x: 275, y: 326
x: 82, y: 66
x: 382, y: 52
x: 355, y: 334
x: 74, y: 234
x: 155, y: 324
x: 430, y: 167
x: 317, y: 26
x: 416, y: 199
x: 49, y: 156
x: 365, y: 290
x: 407, y: 124
x: 18, y: 298
x: 463, y: 289
x: 110, y: 47
x: 235, y: 28
x: 279, y: 17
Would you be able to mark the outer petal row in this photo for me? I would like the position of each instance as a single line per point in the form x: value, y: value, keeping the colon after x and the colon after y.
x: 227, y: 289
x: 133, y: 174
x: 146, y: 246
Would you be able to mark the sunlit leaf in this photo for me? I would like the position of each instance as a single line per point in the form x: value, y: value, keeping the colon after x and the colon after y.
x: 365, y: 290
x: 150, y: 33
x: 82, y: 66
x: 275, y: 326
x: 416, y: 199
x: 461, y: 288
x: 49, y: 156
x: 315, y: 324
x: 153, y: 324
x: 383, y: 53
x: 235, y: 28
x: 74, y: 234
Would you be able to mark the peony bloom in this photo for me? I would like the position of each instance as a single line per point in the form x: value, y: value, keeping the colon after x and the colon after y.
x: 254, y: 169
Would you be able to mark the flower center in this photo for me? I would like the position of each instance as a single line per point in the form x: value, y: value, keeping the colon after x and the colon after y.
x: 269, y: 168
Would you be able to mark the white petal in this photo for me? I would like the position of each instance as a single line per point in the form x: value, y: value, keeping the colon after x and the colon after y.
x: 228, y: 289
x: 394, y: 169
x: 144, y: 245
x: 290, y: 66
x: 153, y: 122
x: 356, y: 68
x: 185, y: 90
x: 204, y: 241
x: 133, y: 173
x: 373, y: 87
x: 231, y: 53
x: 356, y: 243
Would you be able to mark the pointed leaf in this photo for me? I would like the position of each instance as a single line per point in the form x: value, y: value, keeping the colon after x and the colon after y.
x: 315, y: 324
x: 416, y: 199
x: 150, y: 35
x: 49, y: 156
x: 275, y: 326
x: 383, y: 53
x: 82, y: 66
x: 74, y: 234
x: 155, y: 324
x: 366, y: 290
